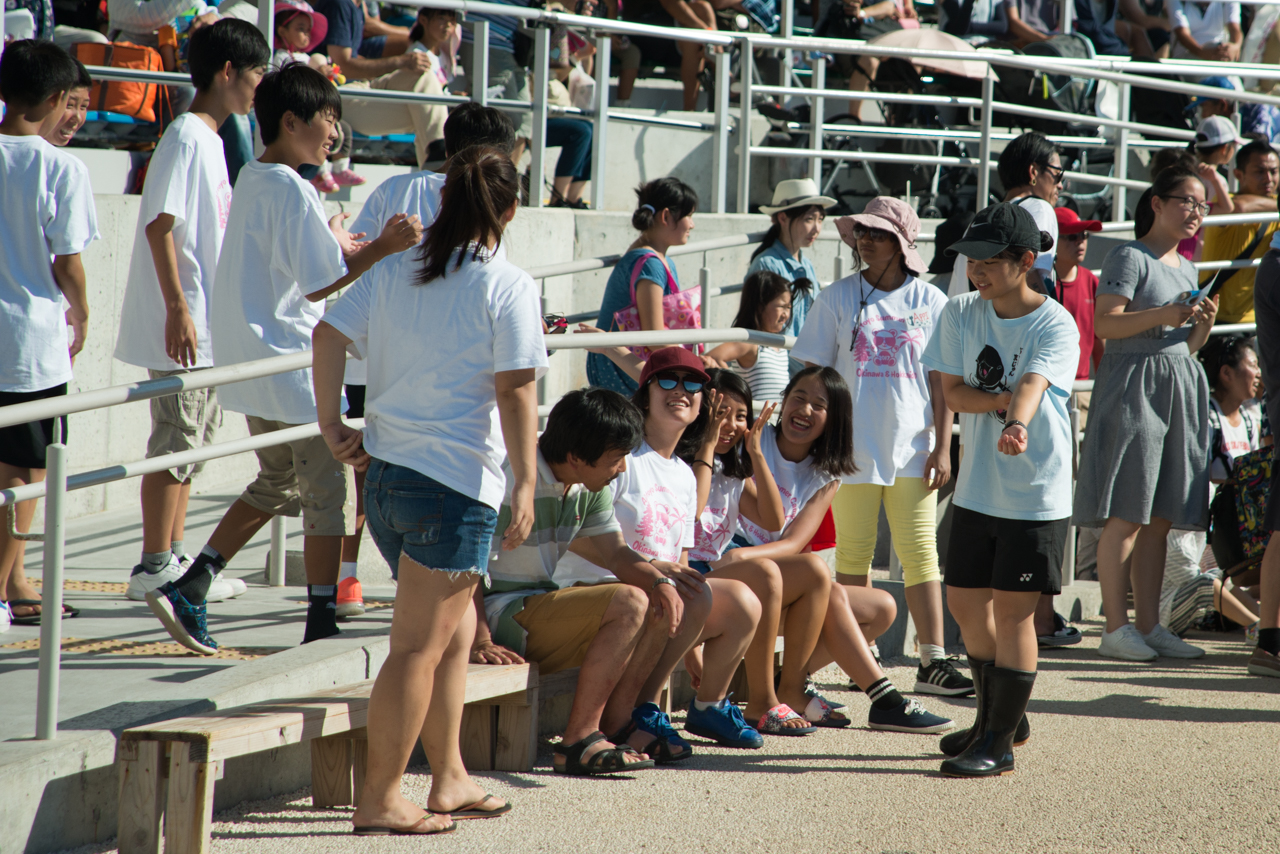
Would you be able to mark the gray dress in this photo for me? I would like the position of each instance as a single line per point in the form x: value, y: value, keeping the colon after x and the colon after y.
x: 1146, y: 451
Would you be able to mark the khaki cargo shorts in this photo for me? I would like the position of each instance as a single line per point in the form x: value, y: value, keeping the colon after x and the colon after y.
x: 183, y: 422
x: 562, y: 624
x: 302, y: 477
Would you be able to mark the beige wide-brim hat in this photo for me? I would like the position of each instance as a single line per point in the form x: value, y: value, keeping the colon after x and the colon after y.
x: 795, y: 193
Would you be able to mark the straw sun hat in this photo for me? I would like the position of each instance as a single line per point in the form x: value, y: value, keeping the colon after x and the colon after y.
x: 795, y: 193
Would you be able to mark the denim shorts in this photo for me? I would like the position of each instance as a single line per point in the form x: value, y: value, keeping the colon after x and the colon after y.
x: 434, y: 526
x: 700, y: 565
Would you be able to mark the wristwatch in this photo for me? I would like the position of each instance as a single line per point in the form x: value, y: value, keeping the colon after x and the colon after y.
x: 662, y: 580
x: 1012, y: 422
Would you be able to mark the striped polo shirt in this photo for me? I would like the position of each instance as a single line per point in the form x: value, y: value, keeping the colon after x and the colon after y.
x: 559, y: 517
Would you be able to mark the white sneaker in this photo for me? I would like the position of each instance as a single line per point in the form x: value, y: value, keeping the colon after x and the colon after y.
x: 6, y: 618
x: 1126, y: 643
x: 224, y: 587
x: 142, y: 582
x: 1166, y: 643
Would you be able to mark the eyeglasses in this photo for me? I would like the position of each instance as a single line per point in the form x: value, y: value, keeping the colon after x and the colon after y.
x: 877, y: 234
x: 1055, y: 172
x: 668, y: 382
x: 1190, y: 203
x: 1075, y: 238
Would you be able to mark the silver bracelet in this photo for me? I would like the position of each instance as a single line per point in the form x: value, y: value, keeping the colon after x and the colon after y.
x: 662, y: 580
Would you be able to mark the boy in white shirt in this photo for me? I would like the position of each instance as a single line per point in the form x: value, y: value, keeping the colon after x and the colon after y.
x: 278, y: 263
x: 164, y: 324
x: 47, y: 220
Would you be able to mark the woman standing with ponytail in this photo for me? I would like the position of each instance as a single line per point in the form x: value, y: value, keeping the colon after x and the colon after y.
x: 1144, y: 467
x: 453, y: 358
x: 644, y: 275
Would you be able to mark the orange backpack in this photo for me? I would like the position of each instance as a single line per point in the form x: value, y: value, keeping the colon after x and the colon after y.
x: 131, y: 99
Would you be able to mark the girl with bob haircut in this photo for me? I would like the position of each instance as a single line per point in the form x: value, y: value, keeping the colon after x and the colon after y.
x: 1144, y: 466
x: 444, y: 353
x: 1008, y: 358
x: 873, y: 327
x: 766, y: 307
x: 664, y: 218
x: 806, y: 453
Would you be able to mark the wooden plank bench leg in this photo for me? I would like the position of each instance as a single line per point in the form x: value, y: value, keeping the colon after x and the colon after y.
x: 141, y: 766
x: 359, y: 763
x: 331, y: 766
x: 477, y: 737
x: 189, y: 811
x: 516, y: 744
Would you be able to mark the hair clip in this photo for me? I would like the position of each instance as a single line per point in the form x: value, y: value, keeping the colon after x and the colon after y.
x: 650, y: 208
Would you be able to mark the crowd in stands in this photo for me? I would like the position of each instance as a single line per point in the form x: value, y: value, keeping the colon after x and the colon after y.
x: 658, y: 520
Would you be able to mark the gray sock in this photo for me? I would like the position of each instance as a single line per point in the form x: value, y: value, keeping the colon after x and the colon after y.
x: 153, y: 562
x: 177, y: 548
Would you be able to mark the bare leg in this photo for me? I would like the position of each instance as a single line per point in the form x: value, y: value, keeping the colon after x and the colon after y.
x: 1147, y: 572
x: 13, y: 579
x: 692, y: 59
x: 697, y: 615
x: 1114, y: 548
x: 1231, y: 607
x: 1014, y: 613
x: 735, y: 613
x: 806, y: 593
x: 874, y: 609
x: 972, y: 608
x: 1269, y: 595
x: 322, y: 556
x: 431, y: 632
x: 627, y: 82
x: 351, y: 544
x: 237, y: 527
x: 1246, y: 600
x: 178, y: 531
x: 924, y: 602
x: 842, y: 640
x: 765, y: 580
x: 161, y: 499
x: 1044, y: 615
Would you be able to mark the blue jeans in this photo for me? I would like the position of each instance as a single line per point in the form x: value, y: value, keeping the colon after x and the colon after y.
x: 434, y: 526
x: 573, y: 136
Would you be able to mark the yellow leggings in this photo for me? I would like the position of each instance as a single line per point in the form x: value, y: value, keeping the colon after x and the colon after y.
x: 912, y: 513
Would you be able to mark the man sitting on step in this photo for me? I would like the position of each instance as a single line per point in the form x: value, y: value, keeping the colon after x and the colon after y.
x: 615, y: 632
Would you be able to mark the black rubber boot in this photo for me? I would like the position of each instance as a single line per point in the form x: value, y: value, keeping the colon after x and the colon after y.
x: 955, y: 743
x: 1007, y: 693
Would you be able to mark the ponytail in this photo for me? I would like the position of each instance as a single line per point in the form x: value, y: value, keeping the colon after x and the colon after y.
x: 416, y: 32
x: 663, y: 194
x: 770, y: 237
x: 1165, y: 184
x: 481, y: 186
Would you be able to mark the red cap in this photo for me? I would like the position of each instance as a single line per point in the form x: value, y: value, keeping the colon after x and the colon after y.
x: 1069, y: 222
x: 673, y: 359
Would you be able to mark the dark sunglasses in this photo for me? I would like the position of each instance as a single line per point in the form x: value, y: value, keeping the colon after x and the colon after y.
x: 667, y: 382
x: 1075, y: 238
x: 877, y: 234
x: 1056, y: 172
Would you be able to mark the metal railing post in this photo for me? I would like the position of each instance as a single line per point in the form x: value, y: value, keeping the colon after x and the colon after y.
x: 704, y: 284
x: 55, y: 514
x: 817, y: 117
x: 1068, y: 16
x: 747, y: 67
x: 1119, y: 193
x: 786, y: 27
x: 837, y: 267
x: 538, y: 148
x: 267, y: 21
x: 984, y: 145
x: 600, y: 122
x: 479, y: 69
x: 278, y: 557
x: 720, y: 142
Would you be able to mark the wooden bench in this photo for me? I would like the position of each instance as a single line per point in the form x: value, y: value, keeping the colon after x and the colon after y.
x: 499, y: 732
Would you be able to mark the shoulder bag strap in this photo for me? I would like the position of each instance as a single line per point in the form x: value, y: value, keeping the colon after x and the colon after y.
x: 1221, y: 278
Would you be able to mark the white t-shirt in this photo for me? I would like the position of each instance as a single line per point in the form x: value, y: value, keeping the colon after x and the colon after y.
x: 1207, y: 26
x: 278, y: 248
x: 1042, y: 212
x: 992, y: 354
x: 878, y: 354
x: 187, y: 179
x: 48, y: 210
x: 432, y: 352
x: 417, y: 193
x: 1236, y: 440
x: 656, y: 502
x: 797, y: 483
x: 718, y: 521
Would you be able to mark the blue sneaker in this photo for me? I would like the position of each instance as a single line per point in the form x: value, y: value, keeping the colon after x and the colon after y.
x: 723, y: 723
x: 185, y: 622
x: 909, y: 717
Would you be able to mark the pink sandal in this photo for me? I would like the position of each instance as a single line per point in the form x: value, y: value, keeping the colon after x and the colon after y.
x: 773, y: 722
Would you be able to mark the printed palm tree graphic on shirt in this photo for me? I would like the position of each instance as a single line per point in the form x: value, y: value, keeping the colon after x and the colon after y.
x: 989, y: 375
x: 712, y: 530
x: 885, y: 345
x: 661, y: 522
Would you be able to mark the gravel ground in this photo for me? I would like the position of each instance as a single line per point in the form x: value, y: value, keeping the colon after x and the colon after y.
x: 1171, y: 757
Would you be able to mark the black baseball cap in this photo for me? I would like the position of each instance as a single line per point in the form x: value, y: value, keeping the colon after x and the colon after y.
x: 995, y: 229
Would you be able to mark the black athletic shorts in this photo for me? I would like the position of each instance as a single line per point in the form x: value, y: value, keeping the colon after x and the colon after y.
x: 1005, y: 554
x: 23, y: 445
x: 355, y: 401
